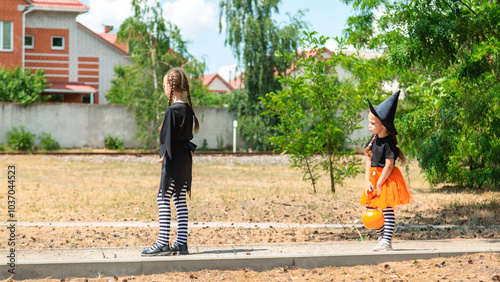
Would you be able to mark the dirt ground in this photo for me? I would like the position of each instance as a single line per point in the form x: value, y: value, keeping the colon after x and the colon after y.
x: 239, y: 189
x: 93, y: 237
x: 477, y: 267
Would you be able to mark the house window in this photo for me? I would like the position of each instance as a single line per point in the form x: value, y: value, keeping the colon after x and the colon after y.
x: 29, y: 41
x: 6, y: 36
x: 57, y: 98
x: 57, y: 42
x: 86, y: 99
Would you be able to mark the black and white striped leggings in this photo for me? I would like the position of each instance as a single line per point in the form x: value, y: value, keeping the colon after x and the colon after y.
x: 387, y: 230
x: 165, y: 215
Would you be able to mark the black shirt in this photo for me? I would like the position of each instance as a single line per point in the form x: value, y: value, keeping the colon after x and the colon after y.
x: 177, y: 128
x: 382, y: 149
x: 176, y: 131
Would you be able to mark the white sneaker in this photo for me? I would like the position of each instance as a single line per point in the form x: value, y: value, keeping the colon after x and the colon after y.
x: 383, y: 246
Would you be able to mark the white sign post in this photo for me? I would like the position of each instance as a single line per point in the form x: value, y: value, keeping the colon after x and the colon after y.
x: 235, y: 125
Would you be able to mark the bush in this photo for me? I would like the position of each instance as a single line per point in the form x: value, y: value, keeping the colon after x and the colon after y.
x: 113, y: 143
x: 47, y: 142
x: 19, y: 139
x: 23, y: 86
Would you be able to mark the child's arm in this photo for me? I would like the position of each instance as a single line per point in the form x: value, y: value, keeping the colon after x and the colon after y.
x: 368, y: 184
x: 389, y: 165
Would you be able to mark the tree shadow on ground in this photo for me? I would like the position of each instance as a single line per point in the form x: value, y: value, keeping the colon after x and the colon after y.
x: 485, y: 213
x: 454, y: 189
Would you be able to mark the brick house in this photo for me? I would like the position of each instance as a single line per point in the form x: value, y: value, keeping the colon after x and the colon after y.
x: 44, y: 34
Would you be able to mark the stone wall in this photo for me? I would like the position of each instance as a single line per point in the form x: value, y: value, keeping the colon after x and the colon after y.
x: 84, y: 125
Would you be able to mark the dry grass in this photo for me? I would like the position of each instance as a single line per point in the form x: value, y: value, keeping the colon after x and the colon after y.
x: 123, y: 188
x: 105, y: 188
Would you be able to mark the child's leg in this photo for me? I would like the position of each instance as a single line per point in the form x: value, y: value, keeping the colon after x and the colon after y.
x: 164, y: 214
x: 380, y: 233
x: 182, y: 216
x: 389, y: 224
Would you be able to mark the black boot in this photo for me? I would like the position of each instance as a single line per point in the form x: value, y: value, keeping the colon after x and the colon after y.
x: 176, y: 248
x: 157, y: 250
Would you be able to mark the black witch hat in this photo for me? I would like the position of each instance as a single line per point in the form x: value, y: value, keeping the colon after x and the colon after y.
x: 386, y: 111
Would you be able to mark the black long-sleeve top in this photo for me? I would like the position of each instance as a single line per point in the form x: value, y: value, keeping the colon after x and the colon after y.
x: 176, y: 131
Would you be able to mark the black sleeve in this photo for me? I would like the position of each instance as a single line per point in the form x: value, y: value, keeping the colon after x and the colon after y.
x: 167, y: 133
x: 391, y: 151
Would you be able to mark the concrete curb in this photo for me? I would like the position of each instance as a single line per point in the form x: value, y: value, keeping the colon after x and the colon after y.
x: 103, y: 262
x: 121, y: 268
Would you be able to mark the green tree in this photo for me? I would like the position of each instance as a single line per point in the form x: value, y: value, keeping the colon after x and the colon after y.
x: 318, y: 111
x: 155, y: 46
x: 446, y: 55
x: 255, y: 37
x: 23, y: 86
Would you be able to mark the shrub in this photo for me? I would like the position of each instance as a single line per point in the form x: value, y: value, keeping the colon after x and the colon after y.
x: 20, y: 139
x: 204, y: 146
x: 113, y: 143
x: 47, y: 142
x: 23, y: 86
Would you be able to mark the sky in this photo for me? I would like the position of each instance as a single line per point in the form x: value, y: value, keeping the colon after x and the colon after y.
x: 198, y: 21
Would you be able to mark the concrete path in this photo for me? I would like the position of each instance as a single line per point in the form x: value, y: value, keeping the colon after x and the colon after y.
x: 95, y: 262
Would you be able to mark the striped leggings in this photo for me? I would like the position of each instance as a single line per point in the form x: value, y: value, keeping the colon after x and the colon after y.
x: 387, y: 230
x: 165, y: 216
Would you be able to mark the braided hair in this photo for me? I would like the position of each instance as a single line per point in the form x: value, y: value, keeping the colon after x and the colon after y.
x: 178, y: 81
x: 186, y: 89
x: 368, y: 150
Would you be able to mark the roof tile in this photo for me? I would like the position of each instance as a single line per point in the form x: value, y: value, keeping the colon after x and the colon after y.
x: 70, y: 86
x: 60, y: 4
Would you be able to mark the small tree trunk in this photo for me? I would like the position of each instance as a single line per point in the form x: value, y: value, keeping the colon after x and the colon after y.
x: 330, y: 168
x: 332, y: 179
x: 311, y: 175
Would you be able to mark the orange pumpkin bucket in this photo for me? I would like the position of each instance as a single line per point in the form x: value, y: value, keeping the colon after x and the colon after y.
x: 373, y: 219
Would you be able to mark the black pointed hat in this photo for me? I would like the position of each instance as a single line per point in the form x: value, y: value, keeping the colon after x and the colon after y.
x: 386, y: 111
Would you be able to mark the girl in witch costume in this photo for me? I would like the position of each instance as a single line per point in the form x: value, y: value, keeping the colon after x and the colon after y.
x: 385, y: 185
x: 175, y: 156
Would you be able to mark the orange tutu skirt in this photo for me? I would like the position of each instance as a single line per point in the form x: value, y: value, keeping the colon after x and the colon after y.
x: 394, y: 190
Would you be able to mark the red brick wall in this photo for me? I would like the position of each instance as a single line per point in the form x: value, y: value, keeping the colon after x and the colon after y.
x: 68, y: 98
x: 43, y: 45
x: 72, y: 98
x: 9, y: 12
x: 43, y: 40
x: 61, y: 62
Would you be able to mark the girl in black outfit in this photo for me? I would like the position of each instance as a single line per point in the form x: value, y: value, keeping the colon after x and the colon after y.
x: 175, y: 156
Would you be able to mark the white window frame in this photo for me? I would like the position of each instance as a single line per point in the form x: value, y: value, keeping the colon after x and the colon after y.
x: 32, y: 46
x: 11, y: 37
x: 57, y: 47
